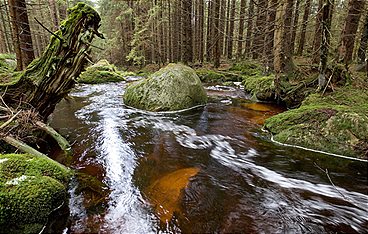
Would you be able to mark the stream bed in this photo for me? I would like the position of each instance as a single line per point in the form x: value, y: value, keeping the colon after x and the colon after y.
x: 208, y: 169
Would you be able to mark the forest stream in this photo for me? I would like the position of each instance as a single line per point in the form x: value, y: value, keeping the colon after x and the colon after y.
x: 207, y: 169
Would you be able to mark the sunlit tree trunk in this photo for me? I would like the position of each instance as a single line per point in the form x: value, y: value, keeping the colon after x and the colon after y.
x: 362, y: 52
x: 187, y: 32
x: 317, y: 34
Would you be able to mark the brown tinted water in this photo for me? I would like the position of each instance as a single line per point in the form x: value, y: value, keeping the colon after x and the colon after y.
x: 209, y: 169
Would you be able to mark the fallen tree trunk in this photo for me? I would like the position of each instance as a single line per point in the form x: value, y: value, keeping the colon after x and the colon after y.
x: 49, y: 79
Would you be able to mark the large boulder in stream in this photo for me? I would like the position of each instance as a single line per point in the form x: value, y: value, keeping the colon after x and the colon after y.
x: 30, y: 189
x: 172, y: 88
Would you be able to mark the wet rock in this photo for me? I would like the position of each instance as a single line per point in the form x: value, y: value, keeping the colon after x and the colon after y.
x: 30, y: 189
x: 102, y: 72
x: 174, y: 87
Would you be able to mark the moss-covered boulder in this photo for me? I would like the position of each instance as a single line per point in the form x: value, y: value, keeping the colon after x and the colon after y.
x: 102, y: 72
x: 7, y: 62
x: 174, y: 87
x: 336, y: 123
x: 30, y: 189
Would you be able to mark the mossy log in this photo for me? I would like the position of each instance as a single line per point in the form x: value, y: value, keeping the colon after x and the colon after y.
x: 49, y: 78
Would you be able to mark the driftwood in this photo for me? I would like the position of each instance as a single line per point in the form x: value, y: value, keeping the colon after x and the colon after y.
x: 28, y: 99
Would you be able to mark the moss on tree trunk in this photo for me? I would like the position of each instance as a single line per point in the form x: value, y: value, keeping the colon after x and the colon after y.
x: 48, y: 79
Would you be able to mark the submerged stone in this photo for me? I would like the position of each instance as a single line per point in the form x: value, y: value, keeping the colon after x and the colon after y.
x: 30, y: 189
x: 165, y: 193
x: 172, y: 88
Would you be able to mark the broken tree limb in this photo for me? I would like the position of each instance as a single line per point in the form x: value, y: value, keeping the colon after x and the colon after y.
x: 47, y: 80
x: 28, y: 149
x: 62, y: 142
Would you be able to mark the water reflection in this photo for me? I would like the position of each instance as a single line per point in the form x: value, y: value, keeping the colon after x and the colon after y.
x: 242, y: 181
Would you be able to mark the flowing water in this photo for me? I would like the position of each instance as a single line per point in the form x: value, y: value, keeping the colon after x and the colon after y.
x: 208, y: 169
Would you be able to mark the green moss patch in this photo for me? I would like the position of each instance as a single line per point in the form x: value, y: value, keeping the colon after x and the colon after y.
x: 102, y: 72
x: 335, y: 123
x: 174, y: 87
x: 30, y: 189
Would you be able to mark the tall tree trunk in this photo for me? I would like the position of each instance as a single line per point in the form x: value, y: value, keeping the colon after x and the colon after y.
x: 288, y: 12
x: 15, y: 33
x: 317, y: 34
x: 248, y: 41
x: 222, y: 20
x: 217, y: 33
x: 270, y: 32
x: 209, y: 44
x: 54, y: 14
x: 231, y: 30
x: 351, y: 26
x: 241, y: 28
x: 325, y: 45
x: 7, y: 27
x: 3, y: 45
x: 187, y: 32
x: 304, y: 27
x: 25, y: 37
x: 362, y: 52
x: 295, y: 26
x: 201, y: 31
x: 259, y: 30
x: 176, y: 31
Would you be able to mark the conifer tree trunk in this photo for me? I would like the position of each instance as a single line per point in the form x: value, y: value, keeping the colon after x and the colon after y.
x: 231, y: 30
x: 362, y: 52
x: 351, y: 26
x: 241, y: 28
x: 54, y: 14
x: 209, y: 41
x: 222, y: 26
x: 15, y: 34
x: 187, y: 32
x: 201, y: 31
x: 325, y: 41
x: 248, y: 41
x: 304, y: 27
x: 317, y: 34
x: 259, y: 35
x: 217, y: 33
x: 269, y: 41
x: 295, y: 25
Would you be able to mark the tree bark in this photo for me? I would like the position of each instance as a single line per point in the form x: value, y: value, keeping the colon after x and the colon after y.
x: 326, y: 28
x: 351, y: 26
x: 47, y: 80
x: 217, y: 33
x: 248, y: 41
x: 54, y: 14
x: 241, y: 28
x: 269, y: 42
x: 317, y: 34
x: 304, y: 27
x: 187, y: 32
x: 222, y: 21
x: 295, y: 26
x: 362, y: 52
x: 231, y: 30
x: 15, y: 33
x: 259, y: 30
